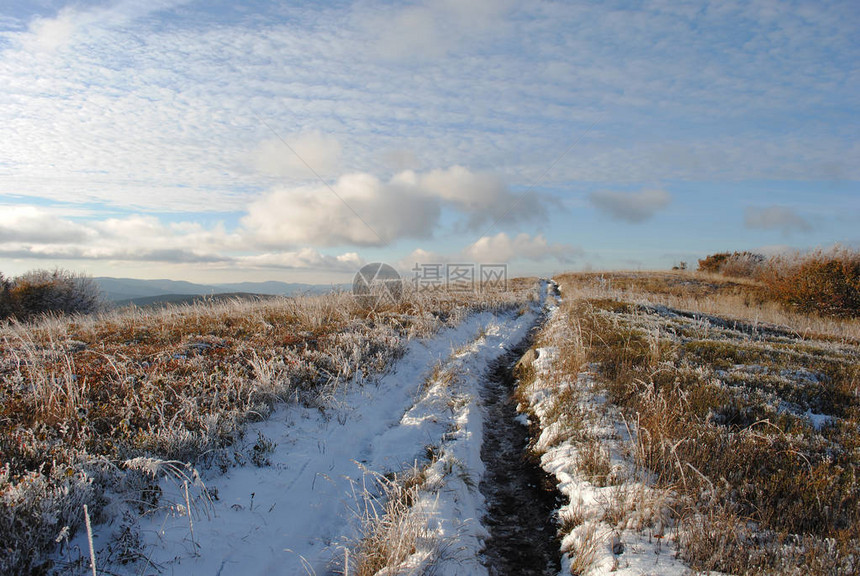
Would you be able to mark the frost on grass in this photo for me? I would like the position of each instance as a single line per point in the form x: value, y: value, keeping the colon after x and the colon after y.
x: 87, y: 403
x: 722, y: 441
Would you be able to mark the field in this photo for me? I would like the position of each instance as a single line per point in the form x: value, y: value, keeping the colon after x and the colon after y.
x: 688, y: 418
x: 685, y: 422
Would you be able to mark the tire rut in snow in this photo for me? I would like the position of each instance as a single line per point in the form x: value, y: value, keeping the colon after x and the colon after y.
x: 521, y: 498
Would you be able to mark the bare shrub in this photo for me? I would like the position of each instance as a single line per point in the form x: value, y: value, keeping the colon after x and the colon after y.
x: 59, y: 291
x: 823, y: 282
x: 738, y: 264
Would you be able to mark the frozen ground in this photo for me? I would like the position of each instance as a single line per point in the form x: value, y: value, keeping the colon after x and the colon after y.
x: 617, y: 528
x: 297, y: 509
x: 296, y: 513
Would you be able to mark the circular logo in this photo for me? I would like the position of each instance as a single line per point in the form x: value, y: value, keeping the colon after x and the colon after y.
x: 377, y: 284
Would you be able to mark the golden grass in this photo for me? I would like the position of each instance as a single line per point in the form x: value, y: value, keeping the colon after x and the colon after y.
x: 79, y: 396
x: 740, y: 299
x: 718, y: 410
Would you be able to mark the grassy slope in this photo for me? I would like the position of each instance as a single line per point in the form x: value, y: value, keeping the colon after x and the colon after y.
x: 753, y: 427
x: 82, y: 400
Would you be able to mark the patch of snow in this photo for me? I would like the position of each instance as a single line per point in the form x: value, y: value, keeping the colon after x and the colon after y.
x: 296, y: 515
x: 818, y: 421
x: 640, y: 543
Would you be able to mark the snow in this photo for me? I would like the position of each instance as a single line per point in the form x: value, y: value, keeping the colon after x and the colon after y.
x: 638, y: 545
x: 818, y: 421
x: 300, y: 513
x: 297, y: 515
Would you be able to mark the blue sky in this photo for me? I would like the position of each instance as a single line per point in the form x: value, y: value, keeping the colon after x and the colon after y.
x: 220, y: 141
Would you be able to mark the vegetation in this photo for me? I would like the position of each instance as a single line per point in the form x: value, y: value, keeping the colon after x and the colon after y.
x: 40, y: 292
x: 748, y: 431
x: 739, y: 264
x: 120, y: 399
x: 820, y: 282
x: 826, y: 283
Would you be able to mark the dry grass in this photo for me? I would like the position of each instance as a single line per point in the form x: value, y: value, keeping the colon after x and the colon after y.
x: 79, y: 396
x: 740, y: 300
x: 719, y: 409
x: 391, y: 527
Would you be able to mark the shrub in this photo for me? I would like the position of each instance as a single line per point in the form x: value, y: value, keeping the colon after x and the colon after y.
x: 44, y: 291
x: 824, y: 282
x: 6, y: 307
x: 741, y: 264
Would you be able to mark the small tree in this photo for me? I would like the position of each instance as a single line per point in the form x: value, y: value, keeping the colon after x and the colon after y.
x: 43, y: 291
x: 6, y: 307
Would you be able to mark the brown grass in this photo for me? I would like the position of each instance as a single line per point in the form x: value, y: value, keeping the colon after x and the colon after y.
x: 760, y: 490
x: 732, y: 299
x: 79, y: 396
x: 391, y: 528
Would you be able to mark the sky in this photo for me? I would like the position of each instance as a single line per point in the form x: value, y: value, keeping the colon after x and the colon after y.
x: 218, y: 141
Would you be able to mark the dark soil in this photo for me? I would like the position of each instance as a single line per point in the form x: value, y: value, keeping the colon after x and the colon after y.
x: 521, y: 497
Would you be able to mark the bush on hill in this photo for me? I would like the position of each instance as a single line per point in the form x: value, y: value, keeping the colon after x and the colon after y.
x: 823, y: 282
x: 826, y: 282
x: 48, y: 291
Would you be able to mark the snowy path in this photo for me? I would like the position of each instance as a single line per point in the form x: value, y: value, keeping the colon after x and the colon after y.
x: 295, y: 516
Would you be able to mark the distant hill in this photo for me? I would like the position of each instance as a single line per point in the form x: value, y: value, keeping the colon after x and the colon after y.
x: 125, y: 290
x: 163, y: 299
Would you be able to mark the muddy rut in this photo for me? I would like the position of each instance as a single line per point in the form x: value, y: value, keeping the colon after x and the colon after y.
x: 521, y: 498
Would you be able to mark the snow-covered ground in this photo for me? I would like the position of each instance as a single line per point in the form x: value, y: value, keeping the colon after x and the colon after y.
x: 296, y: 514
x: 618, y: 527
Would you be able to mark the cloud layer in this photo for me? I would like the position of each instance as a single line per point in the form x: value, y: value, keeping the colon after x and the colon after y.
x: 781, y: 218
x: 133, y: 106
x: 633, y: 207
x: 419, y: 123
x: 362, y: 210
x: 286, y: 227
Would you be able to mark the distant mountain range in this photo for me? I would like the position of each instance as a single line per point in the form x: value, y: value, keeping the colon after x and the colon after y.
x: 147, y: 292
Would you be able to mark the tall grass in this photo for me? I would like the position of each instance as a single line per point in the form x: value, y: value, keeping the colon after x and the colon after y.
x: 392, y: 528
x: 717, y: 409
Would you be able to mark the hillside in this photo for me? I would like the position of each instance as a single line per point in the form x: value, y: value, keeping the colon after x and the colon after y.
x: 125, y: 290
x: 654, y: 423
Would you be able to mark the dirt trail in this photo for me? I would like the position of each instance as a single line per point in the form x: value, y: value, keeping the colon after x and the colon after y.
x: 521, y: 498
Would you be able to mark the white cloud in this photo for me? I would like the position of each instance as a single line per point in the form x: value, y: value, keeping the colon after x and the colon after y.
x: 38, y: 233
x: 483, y: 197
x: 433, y: 28
x: 303, y: 156
x: 363, y: 210
x: 358, y: 209
x: 781, y: 218
x: 631, y: 207
x: 501, y: 248
x: 49, y: 34
x: 30, y: 224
